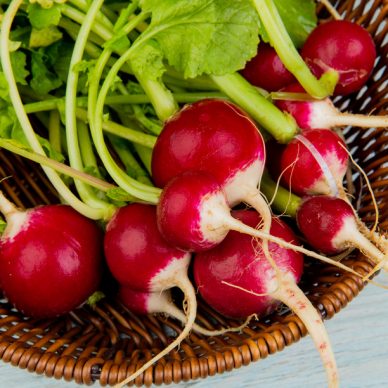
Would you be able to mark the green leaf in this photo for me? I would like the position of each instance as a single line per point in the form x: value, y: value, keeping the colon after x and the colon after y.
x: 148, y: 61
x: 44, y: 37
x: 18, y: 61
x: 41, y: 18
x: 3, y: 225
x: 299, y: 18
x: 203, y: 36
x: 44, y: 79
x: 119, y: 195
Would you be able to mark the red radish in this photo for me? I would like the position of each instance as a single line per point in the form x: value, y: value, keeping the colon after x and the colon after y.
x: 217, y: 137
x: 143, y: 303
x: 214, y: 136
x: 50, y: 259
x: 313, y: 114
x: 232, y: 276
x: 315, y: 163
x: 345, y: 47
x: 193, y: 214
x: 330, y: 225
x: 140, y: 258
x: 266, y: 70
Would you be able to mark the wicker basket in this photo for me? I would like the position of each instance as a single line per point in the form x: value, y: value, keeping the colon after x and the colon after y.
x: 108, y: 343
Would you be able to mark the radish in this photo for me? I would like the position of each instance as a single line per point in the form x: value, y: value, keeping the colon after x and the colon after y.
x: 193, y: 214
x: 345, y: 47
x: 236, y: 280
x: 50, y: 258
x: 266, y: 70
x: 139, y: 258
x: 312, y: 114
x: 143, y: 303
x: 315, y: 163
x: 331, y: 226
x: 217, y: 137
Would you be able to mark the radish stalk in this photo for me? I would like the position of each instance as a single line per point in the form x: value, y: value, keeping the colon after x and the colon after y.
x: 57, y: 182
x: 88, y: 196
x: 281, y: 127
x: 288, y: 54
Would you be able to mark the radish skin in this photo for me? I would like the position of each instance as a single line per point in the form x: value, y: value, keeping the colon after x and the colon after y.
x: 319, y: 162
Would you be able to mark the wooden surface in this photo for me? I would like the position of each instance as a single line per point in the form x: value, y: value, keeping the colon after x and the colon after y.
x: 359, y: 336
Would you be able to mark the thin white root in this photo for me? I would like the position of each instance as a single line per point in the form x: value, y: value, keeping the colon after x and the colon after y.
x: 189, y: 292
x: 333, y: 12
x: 363, y: 173
x: 238, y: 226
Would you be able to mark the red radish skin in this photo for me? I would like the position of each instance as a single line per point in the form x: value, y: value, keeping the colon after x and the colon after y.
x: 345, y: 47
x: 315, y: 114
x: 266, y: 70
x: 132, y: 239
x: 140, y: 258
x: 330, y: 226
x: 143, y: 303
x: 50, y: 259
x: 214, y: 136
x: 222, y: 278
x: 315, y: 163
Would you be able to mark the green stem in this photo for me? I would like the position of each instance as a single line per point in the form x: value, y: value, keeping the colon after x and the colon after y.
x: 79, y: 17
x: 95, y: 114
x: 24, y: 121
x: 282, y: 200
x: 103, y: 209
x: 132, y: 166
x: 86, y: 147
x: 54, y: 129
x: 57, y: 166
x: 84, y: 6
x: 145, y: 154
x: 284, y: 47
x: 281, y: 126
x: 160, y: 97
x: 183, y: 98
x: 122, y: 131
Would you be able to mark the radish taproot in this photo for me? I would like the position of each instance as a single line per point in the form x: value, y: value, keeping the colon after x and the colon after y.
x: 266, y: 70
x: 344, y: 46
x: 50, y: 258
x: 315, y: 162
x: 139, y: 258
x: 143, y: 303
x: 224, y: 282
x: 312, y: 114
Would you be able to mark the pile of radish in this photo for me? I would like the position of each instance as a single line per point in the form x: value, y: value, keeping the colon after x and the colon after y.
x: 173, y: 161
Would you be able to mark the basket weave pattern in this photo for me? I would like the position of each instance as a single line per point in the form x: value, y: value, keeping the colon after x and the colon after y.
x: 108, y: 343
